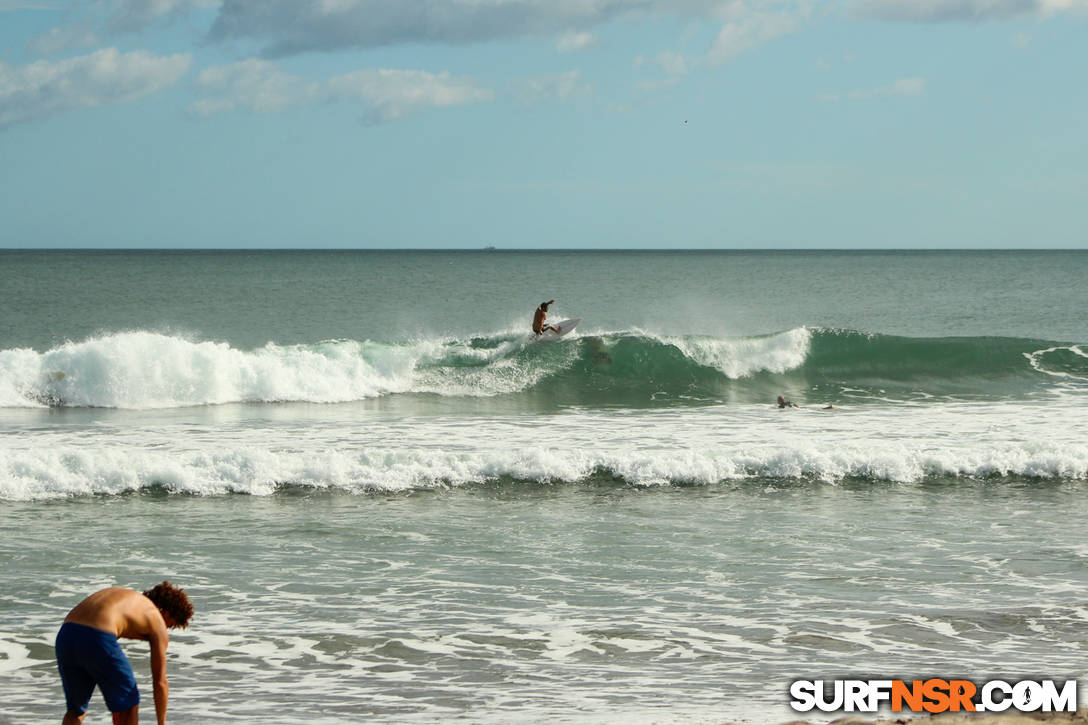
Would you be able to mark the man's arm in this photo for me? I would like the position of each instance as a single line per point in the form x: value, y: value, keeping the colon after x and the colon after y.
x: 159, y: 639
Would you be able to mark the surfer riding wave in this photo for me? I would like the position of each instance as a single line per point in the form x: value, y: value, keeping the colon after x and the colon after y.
x: 538, y: 319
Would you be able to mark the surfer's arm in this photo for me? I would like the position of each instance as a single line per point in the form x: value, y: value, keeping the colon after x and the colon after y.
x: 160, y: 686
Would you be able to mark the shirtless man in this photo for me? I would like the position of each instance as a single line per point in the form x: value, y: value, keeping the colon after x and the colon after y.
x: 539, y: 316
x: 89, y: 654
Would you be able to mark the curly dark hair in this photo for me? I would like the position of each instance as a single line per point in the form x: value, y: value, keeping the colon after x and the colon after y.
x: 173, y: 601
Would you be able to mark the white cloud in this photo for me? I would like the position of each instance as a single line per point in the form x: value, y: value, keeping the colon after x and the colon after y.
x: 56, y: 40
x: 45, y: 88
x: 674, y: 63
x: 573, y: 41
x: 285, y: 27
x: 753, y: 29
x: 561, y: 87
x: 7, y: 6
x: 1057, y: 6
x: 254, y: 85
x: 392, y: 94
x: 261, y: 87
x: 934, y: 11
x: 88, y: 22
x: 135, y: 15
x: 901, y: 87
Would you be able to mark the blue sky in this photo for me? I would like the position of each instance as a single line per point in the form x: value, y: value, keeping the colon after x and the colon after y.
x: 544, y: 123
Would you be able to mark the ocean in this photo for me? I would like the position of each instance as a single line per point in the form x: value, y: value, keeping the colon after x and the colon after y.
x: 389, y: 503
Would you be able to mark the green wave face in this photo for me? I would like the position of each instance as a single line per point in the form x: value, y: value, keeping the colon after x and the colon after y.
x: 955, y: 367
x: 810, y: 366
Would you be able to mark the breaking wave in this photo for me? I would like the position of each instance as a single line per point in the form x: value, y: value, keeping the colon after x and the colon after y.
x: 147, y: 370
x: 51, y: 473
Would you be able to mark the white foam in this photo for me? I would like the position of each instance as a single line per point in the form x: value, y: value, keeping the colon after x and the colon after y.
x: 700, y: 446
x: 13, y: 656
x: 144, y: 370
x: 150, y: 370
x: 20, y: 369
x: 743, y: 356
x: 1036, y: 359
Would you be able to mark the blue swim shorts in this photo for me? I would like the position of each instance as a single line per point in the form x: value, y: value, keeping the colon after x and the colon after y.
x: 87, y: 657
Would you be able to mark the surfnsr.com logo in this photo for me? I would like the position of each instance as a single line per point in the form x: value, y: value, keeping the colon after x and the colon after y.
x: 933, y: 695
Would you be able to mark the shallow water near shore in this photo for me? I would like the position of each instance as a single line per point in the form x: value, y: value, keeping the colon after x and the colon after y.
x: 521, y: 601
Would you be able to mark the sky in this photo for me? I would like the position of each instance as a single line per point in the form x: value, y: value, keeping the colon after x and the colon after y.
x: 572, y: 124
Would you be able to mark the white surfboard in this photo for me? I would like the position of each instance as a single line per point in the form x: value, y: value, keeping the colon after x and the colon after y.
x: 565, y: 327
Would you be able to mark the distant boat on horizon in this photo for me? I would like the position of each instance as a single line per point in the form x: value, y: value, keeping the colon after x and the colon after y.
x: 489, y: 249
